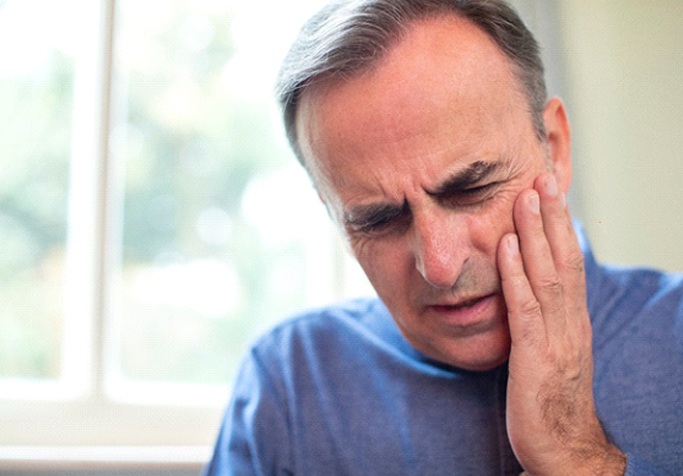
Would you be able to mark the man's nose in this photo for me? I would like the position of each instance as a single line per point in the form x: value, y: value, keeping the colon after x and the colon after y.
x: 441, y: 248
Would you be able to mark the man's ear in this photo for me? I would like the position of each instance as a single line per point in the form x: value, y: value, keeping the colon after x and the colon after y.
x: 558, y: 142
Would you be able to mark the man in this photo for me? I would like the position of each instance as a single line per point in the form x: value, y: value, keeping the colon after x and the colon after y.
x: 499, y: 344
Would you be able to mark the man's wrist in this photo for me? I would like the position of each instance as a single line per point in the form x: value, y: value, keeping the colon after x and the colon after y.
x: 606, y: 461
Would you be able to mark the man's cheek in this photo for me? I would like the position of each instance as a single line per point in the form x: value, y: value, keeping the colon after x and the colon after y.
x: 497, y: 220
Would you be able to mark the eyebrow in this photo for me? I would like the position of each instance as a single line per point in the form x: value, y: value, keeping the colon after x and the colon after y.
x: 366, y: 215
x: 466, y: 178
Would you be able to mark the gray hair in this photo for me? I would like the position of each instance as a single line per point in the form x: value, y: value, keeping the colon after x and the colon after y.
x: 349, y: 37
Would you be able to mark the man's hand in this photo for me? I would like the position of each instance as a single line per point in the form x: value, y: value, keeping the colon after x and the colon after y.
x: 551, y: 418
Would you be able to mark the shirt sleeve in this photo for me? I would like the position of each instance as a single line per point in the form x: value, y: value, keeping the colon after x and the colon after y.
x: 253, y: 439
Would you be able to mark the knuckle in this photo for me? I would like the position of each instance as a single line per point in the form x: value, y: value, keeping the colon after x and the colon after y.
x: 551, y: 284
x: 574, y: 262
x: 530, y: 307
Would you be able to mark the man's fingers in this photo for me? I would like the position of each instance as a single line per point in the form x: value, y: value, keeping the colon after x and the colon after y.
x: 538, y: 260
x: 524, y: 311
x: 564, y: 247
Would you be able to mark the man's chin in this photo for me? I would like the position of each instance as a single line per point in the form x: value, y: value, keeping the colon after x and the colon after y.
x: 475, y: 354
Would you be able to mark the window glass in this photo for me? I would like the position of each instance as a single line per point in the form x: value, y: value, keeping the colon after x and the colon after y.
x: 153, y: 219
x: 221, y: 232
x: 37, y: 71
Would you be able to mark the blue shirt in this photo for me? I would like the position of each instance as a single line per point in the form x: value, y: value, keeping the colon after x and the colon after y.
x: 339, y: 391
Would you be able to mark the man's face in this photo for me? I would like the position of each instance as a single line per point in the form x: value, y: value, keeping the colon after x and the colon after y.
x: 420, y: 161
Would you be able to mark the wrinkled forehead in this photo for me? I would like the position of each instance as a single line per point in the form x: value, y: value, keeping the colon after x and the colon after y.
x: 441, y: 67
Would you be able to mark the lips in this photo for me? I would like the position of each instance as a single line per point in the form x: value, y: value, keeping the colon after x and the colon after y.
x: 467, y: 312
x: 461, y: 303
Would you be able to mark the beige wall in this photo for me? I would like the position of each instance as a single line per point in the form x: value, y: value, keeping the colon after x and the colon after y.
x: 623, y: 68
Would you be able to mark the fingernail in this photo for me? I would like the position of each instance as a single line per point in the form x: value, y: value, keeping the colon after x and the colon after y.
x: 533, y: 203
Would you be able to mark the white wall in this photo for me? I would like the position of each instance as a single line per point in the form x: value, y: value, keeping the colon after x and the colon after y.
x: 624, y: 88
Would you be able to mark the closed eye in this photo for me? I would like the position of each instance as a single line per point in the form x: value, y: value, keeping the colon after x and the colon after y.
x: 480, y: 189
x: 471, y: 196
x: 473, y: 185
x: 378, y: 219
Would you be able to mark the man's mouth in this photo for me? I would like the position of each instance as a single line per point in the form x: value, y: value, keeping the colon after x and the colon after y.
x: 462, y: 304
x: 467, y: 312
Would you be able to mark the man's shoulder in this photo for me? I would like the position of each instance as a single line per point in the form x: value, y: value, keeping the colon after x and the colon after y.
x: 328, y: 317
x: 638, y: 289
x: 631, y: 293
x: 321, y: 327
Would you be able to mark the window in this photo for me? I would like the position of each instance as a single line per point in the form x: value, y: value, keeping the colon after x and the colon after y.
x: 153, y: 218
x: 37, y: 93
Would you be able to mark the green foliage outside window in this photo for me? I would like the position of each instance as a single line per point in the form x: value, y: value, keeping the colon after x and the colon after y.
x: 197, y: 274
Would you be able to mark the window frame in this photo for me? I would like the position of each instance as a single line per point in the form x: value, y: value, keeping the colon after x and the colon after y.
x: 80, y: 409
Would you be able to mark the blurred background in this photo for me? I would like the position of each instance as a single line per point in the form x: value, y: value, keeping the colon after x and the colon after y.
x: 153, y: 220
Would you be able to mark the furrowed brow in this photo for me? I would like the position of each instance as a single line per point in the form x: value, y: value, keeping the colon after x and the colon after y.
x: 464, y: 179
x: 367, y: 215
